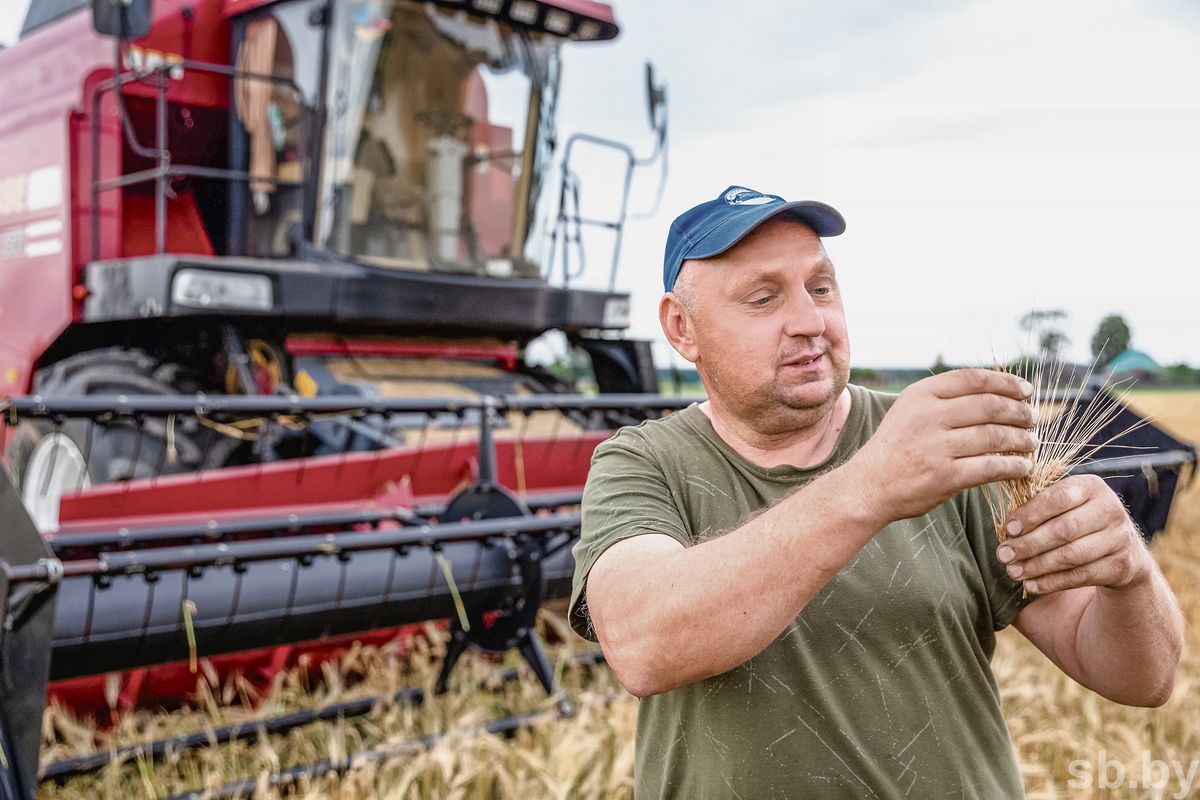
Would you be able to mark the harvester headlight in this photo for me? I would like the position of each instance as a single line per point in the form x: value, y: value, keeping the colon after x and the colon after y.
x: 558, y: 22
x: 588, y: 30
x: 616, y: 313
x: 203, y: 288
x: 523, y: 11
x: 499, y: 267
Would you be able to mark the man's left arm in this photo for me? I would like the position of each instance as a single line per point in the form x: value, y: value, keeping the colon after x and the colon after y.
x: 1105, y: 614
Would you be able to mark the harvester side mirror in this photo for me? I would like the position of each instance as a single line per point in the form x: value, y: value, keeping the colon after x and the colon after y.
x: 656, y: 96
x: 126, y: 19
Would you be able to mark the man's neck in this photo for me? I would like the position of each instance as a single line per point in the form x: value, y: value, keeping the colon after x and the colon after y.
x: 804, y: 447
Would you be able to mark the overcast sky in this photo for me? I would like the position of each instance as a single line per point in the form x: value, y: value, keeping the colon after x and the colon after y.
x: 989, y: 156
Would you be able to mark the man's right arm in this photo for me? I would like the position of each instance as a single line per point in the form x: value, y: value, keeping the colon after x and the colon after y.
x: 667, y: 615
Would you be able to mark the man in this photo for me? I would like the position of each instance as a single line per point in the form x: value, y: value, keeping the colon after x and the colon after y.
x: 798, y: 577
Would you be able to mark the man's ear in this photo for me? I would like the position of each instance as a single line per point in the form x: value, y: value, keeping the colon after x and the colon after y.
x: 678, y: 326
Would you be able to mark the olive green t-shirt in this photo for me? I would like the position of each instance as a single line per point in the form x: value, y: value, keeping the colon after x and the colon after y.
x: 880, y: 688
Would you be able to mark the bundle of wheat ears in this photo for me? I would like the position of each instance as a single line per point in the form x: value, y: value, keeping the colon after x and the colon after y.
x: 1071, y: 415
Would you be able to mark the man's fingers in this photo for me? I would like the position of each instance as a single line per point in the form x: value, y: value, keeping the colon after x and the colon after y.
x: 1075, y: 553
x: 982, y: 409
x: 959, y: 382
x: 1112, y: 570
x: 978, y: 470
x: 1060, y: 498
x: 980, y: 440
x: 1058, y: 531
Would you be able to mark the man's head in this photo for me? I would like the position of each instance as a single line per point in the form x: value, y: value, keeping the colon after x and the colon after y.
x: 761, y: 318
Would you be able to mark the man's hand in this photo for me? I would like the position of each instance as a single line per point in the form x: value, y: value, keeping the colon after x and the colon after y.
x: 943, y: 434
x: 1105, y: 614
x: 1076, y: 533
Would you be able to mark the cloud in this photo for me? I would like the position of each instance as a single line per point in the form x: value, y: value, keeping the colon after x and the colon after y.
x: 1029, y: 155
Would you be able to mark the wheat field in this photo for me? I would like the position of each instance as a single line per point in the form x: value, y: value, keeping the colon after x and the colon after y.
x: 1053, y: 721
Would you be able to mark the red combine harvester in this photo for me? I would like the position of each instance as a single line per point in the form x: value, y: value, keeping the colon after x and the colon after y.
x: 269, y: 274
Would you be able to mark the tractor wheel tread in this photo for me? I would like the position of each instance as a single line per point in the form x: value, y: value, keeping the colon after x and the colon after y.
x: 110, y: 357
x: 110, y: 450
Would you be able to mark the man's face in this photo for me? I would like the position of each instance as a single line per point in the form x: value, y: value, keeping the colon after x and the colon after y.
x: 765, y: 327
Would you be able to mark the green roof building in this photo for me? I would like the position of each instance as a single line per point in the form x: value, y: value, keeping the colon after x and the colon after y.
x: 1133, y: 361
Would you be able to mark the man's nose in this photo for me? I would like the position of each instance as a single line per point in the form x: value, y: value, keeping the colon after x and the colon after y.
x: 803, y: 317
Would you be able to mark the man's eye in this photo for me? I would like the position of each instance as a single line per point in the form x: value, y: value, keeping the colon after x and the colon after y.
x: 822, y: 291
x: 762, y: 301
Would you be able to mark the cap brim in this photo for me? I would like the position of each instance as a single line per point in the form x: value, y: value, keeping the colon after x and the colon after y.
x: 823, y: 219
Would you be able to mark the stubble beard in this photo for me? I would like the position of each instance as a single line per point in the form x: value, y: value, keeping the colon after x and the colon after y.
x: 795, y: 407
x: 775, y: 409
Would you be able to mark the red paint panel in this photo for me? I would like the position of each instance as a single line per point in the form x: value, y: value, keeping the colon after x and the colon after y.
x: 325, y: 346
x: 109, y: 141
x: 185, y: 229
x: 602, y: 12
x: 234, y: 7
x: 358, y: 479
x: 169, y: 685
x: 194, y: 30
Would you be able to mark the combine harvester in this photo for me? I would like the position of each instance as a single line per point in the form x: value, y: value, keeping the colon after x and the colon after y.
x: 270, y: 273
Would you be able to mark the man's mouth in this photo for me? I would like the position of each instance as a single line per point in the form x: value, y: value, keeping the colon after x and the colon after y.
x: 804, y: 361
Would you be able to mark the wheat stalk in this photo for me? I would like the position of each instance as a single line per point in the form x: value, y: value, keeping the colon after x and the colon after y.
x: 1066, y: 424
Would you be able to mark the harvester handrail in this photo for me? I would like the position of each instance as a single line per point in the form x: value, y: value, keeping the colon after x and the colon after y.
x: 208, y: 530
x: 130, y: 405
x: 215, y: 530
x: 190, y: 171
x: 160, y: 152
x: 191, y: 557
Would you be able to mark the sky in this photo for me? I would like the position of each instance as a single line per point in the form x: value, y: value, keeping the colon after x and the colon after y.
x: 990, y: 157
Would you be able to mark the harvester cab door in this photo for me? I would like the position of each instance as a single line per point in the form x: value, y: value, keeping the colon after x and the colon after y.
x: 274, y: 124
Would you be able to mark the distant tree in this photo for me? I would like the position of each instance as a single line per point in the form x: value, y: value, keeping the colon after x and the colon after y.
x: 864, y: 376
x: 1044, y: 326
x: 1110, y: 339
x: 939, y: 366
x: 1052, y: 343
x: 1183, y: 375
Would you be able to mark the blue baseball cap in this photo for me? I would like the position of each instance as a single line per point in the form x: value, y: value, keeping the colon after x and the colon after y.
x: 711, y: 228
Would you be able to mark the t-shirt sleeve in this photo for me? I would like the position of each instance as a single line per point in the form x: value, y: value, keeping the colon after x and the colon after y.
x: 1006, y: 597
x: 625, y: 495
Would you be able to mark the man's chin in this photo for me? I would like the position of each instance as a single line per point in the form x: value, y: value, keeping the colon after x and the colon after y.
x: 809, y: 396
x: 814, y: 393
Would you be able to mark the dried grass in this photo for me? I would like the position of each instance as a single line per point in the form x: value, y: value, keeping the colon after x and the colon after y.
x: 588, y: 755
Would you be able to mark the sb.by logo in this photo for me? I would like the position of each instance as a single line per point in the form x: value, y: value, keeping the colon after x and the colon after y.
x: 741, y: 196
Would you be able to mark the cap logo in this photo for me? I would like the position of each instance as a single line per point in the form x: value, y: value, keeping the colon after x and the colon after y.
x: 740, y: 196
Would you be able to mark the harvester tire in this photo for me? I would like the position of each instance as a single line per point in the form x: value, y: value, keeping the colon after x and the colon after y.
x: 119, y: 451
